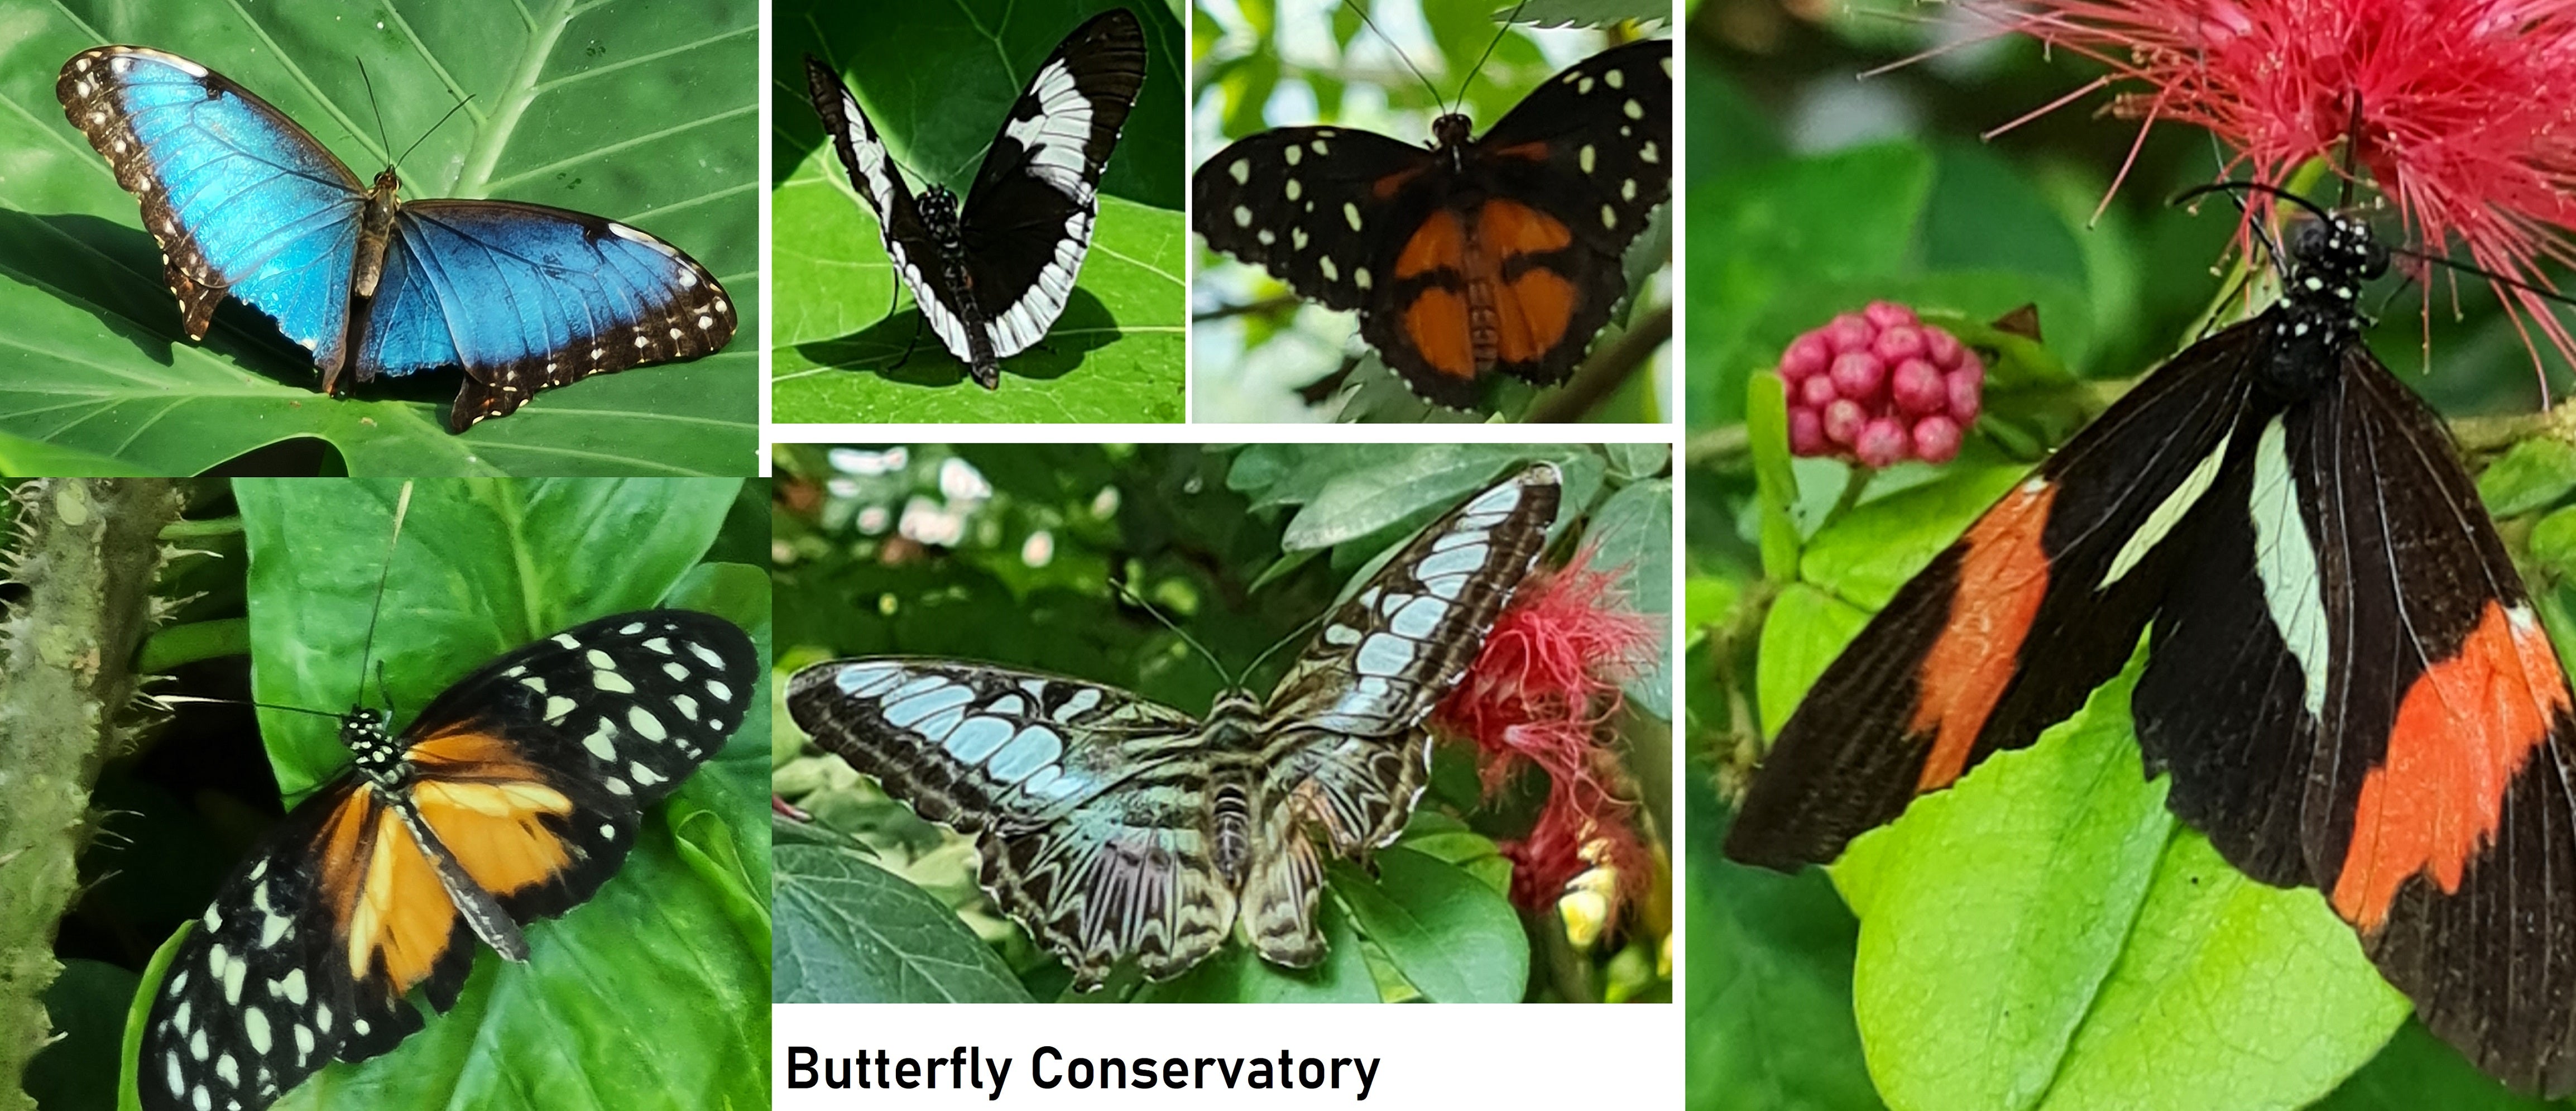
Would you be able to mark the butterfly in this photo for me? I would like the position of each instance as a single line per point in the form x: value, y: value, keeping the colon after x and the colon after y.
x: 1112, y: 827
x: 1476, y: 254
x: 991, y: 275
x: 247, y: 205
x: 510, y: 797
x: 2345, y: 676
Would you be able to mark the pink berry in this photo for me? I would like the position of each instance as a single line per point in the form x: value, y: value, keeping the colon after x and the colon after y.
x: 1895, y: 345
x: 1936, y: 439
x: 1848, y: 332
x: 1817, y: 391
x: 1843, y: 420
x: 1942, y: 348
x: 1807, y: 355
x: 1881, y: 443
x: 1918, y: 388
x: 1859, y: 376
x: 1889, y: 314
x: 1807, y: 432
x: 1967, y: 389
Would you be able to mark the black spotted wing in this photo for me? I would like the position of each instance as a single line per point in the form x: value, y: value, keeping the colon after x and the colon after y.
x: 1090, y: 807
x: 1500, y: 252
x: 511, y: 797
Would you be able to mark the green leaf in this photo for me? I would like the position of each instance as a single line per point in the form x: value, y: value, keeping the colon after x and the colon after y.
x: 1236, y: 975
x: 649, y: 121
x: 1357, y: 503
x: 847, y: 347
x: 1866, y: 554
x: 1632, y: 534
x: 1590, y: 13
x: 1634, y: 461
x: 1766, y: 430
x: 1455, y: 939
x: 2045, y: 935
x: 2534, y: 474
x: 852, y: 932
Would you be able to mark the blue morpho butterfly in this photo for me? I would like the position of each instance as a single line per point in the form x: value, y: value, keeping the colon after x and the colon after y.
x: 247, y: 204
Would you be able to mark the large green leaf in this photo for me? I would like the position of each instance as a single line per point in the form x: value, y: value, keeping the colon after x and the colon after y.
x: 1115, y: 354
x: 851, y: 932
x: 643, y: 111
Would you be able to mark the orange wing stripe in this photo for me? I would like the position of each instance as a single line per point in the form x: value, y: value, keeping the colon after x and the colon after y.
x: 1439, y: 244
x: 496, y: 829
x: 2463, y: 731
x: 1505, y: 229
x: 2001, y: 582
x: 1534, y: 312
x: 398, y: 915
x: 465, y: 749
x: 1535, y: 150
x: 1436, y: 322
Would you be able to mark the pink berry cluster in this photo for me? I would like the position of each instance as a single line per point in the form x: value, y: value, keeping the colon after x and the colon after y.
x: 1880, y: 386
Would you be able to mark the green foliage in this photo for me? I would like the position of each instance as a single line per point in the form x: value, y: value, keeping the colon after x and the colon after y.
x: 927, y: 76
x: 1008, y: 553
x: 1252, y: 360
x: 673, y: 950
x: 638, y: 111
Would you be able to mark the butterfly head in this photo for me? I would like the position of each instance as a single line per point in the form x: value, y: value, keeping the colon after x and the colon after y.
x: 939, y: 215
x: 1451, y: 131
x: 2320, y: 312
x: 362, y: 729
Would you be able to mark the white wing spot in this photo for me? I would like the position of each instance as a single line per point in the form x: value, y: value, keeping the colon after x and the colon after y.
x: 1351, y: 212
x: 1242, y: 217
x: 556, y: 707
x: 675, y: 671
x: 1241, y: 171
x: 646, y: 724
x: 709, y: 658
x: 599, y: 742
x: 1331, y: 273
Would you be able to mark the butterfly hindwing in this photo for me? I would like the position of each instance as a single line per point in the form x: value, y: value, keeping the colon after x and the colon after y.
x: 243, y: 202
x: 530, y: 774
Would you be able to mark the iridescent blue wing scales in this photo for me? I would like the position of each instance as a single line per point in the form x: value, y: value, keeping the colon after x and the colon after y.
x: 526, y: 298
x: 244, y: 202
x: 1090, y: 807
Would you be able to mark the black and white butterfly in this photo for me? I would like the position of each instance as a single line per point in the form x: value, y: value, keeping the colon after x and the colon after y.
x: 991, y: 275
x: 1113, y: 827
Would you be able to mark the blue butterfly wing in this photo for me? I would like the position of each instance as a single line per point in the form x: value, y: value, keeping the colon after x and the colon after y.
x: 526, y: 298
x: 244, y: 202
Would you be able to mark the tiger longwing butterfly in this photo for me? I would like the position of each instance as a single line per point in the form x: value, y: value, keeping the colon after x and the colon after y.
x: 990, y: 276
x: 510, y: 797
x: 1476, y: 253
x: 2345, y: 675
x: 1111, y: 827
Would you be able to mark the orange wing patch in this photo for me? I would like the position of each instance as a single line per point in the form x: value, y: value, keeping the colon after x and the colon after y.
x: 1439, y: 244
x: 2463, y: 731
x: 488, y: 807
x: 1436, y: 322
x: 384, y: 894
x: 2001, y: 582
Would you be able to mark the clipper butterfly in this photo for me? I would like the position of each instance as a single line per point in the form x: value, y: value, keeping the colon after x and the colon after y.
x: 246, y: 204
x: 1476, y: 253
x: 510, y: 796
x: 991, y: 273
x: 1114, y: 828
x: 2345, y: 676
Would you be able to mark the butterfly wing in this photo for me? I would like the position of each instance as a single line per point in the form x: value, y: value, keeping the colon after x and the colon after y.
x: 1344, y: 724
x: 1089, y: 806
x: 2442, y: 823
x: 873, y: 173
x: 2008, y: 630
x: 531, y: 774
x: 1303, y: 203
x: 243, y: 202
x: 527, y: 298
x: 1027, y: 220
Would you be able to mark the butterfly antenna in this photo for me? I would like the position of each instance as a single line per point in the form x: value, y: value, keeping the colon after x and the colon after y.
x: 1497, y: 40
x: 433, y: 129
x: 245, y: 702
x: 384, y: 142
x: 1294, y: 635
x: 1403, y: 57
x: 1130, y: 594
x: 2543, y: 292
x: 366, y: 652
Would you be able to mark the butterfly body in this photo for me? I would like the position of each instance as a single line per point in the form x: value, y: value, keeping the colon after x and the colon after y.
x: 1472, y: 255
x: 1113, y: 827
x: 511, y: 797
x: 991, y: 273
x: 2345, y: 677
x: 246, y: 204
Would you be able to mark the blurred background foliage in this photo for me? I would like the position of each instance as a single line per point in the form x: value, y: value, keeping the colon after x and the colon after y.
x: 1818, y: 178
x: 1261, y: 354
x: 1015, y: 555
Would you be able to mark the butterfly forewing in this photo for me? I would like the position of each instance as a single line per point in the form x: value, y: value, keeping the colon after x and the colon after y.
x: 1302, y: 203
x: 1092, y: 805
x: 531, y: 774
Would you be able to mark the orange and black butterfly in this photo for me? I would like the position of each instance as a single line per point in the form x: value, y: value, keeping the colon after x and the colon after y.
x: 1499, y: 252
x: 510, y: 797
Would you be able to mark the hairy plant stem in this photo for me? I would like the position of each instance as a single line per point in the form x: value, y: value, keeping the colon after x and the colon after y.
x: 88, y: 552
